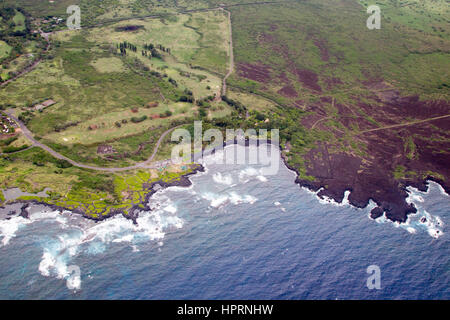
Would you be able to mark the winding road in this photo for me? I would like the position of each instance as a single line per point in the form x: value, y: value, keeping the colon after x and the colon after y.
x: 148, y: 164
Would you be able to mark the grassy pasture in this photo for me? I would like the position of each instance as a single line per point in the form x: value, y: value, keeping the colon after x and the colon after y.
x: 5, y: 49
x: 187, y: 77
x: 201, y: 83
x: 199, y: 39
x: 107, y: 130
x: 182, y: 41
x: 83, y: 93
x: 214, y: 42
x: 205, y: 46
x: 252, y: 101
x: 80, y: 90
x: 429, y: 16
x: 19, y: 21
x: 107, y: 65
x: 92, y: 87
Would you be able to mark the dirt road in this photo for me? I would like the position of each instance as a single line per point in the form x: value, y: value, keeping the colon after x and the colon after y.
x: 231, y: 53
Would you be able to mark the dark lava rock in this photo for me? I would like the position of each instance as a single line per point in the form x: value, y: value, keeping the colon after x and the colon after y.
x: 376, y: 213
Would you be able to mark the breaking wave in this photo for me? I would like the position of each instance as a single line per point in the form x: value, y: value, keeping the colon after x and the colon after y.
x: 225, y: 179
x: 219, y: 200
x: 92, y: 238
x: 423, y: 220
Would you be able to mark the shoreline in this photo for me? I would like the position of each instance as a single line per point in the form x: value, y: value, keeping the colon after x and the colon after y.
x: 320, y: 191
x: 382, y: 208
x: 183, y: 181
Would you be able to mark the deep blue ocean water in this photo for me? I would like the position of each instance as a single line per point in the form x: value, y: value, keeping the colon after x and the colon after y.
x: 235, y: 234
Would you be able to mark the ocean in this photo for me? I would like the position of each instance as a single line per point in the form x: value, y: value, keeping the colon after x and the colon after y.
x: 234, y: 234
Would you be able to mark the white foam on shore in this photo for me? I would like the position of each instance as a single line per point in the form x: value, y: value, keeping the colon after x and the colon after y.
x: 330, y: 201
x: 422, y: 221
x: 92, y: 238
x: 55, y: 257
x: 433, y: 226
x: 434, y: 185
x: 151, y: 226
x: 327, y: 200
x: 222, y: 179
x: 9, y: 228
x: 219, y: 200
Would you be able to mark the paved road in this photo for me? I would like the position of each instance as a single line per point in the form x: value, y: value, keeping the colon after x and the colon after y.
x: 143, y: 165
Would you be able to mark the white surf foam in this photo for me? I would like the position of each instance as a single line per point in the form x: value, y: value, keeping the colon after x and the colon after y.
x: 262, y: 178
x: 219, y: 200
x: 330, y: 201
x: 223, y: 179
x: 248, y: 173
x: 9, y: 228
x: 422, y: 221
x: 92, y: 238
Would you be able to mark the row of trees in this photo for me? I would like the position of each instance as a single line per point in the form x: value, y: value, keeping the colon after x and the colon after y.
x: 149, y: 50
x: 124, y: 46
x: 151, y: 47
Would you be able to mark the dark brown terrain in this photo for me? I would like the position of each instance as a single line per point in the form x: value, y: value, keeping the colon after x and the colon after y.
x: 399, y: 153
x: 374, y: 106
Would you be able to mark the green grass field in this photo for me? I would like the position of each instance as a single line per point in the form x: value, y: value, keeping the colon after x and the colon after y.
x: 5, y: 49
x: 107, y: 130
x: 19, y: 21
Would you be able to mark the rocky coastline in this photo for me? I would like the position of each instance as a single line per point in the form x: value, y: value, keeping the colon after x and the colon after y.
x: 392, y: 201
x: 182, y: 181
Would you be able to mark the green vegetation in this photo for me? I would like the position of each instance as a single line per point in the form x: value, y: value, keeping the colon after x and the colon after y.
x: 319, y: 57
x: 19, y: 21
x: 5, y: 50
x: 410, y: 148
x: 19, y: 47
x: 107, y: 65
x: 138, y: 68
x: 95, y: 195
x: 400, y: 173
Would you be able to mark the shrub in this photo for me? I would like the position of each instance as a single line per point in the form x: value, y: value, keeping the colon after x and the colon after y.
x: 12, y: 149
x: 63, y: 164
x: 138, y: 119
